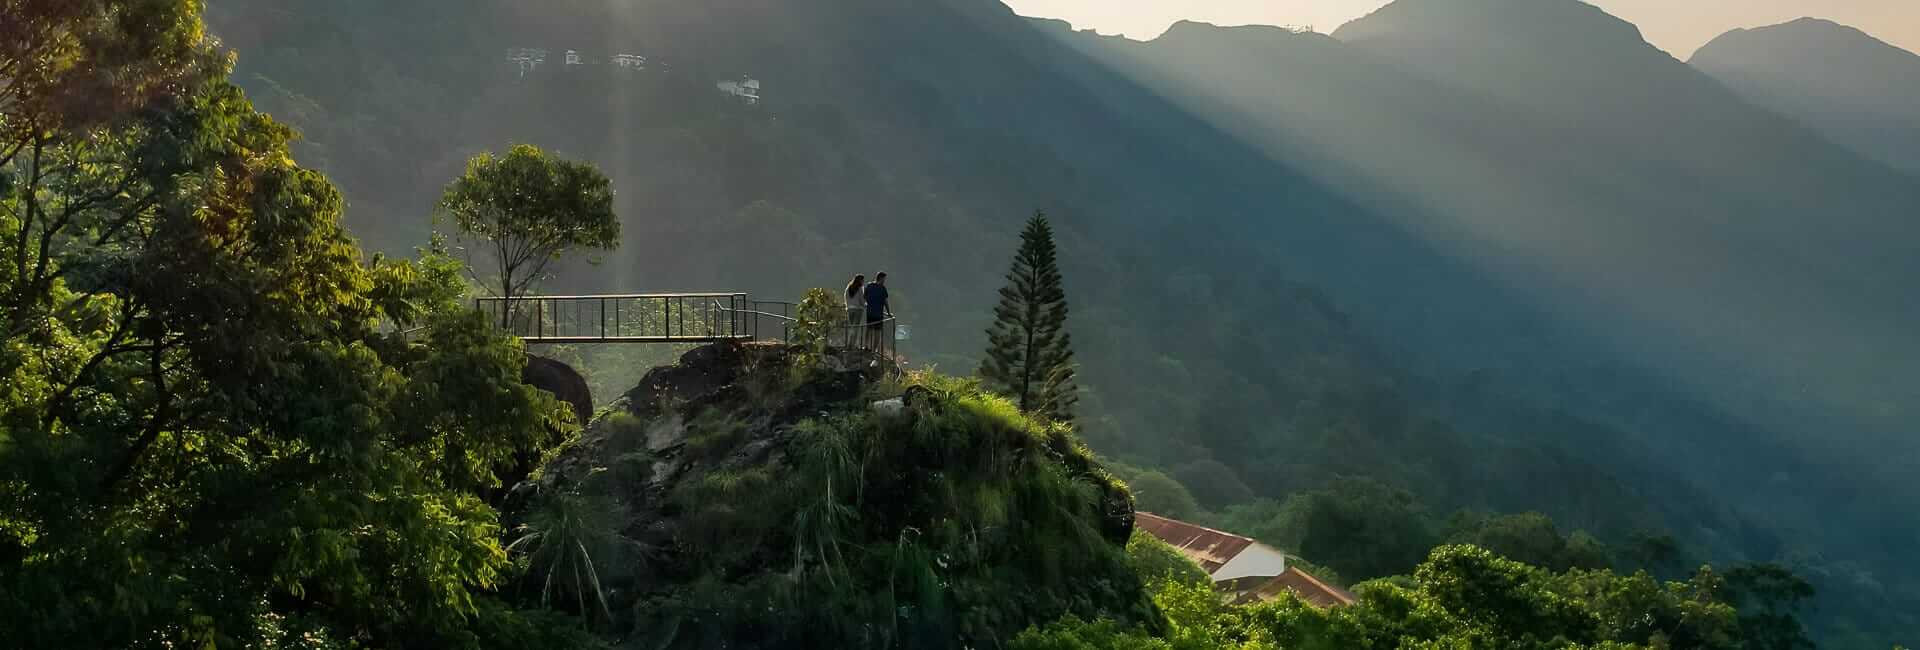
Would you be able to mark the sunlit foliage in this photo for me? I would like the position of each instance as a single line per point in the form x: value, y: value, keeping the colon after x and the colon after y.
x: 1461, y: 597
x: 211, y: 432
x: 526, y: 209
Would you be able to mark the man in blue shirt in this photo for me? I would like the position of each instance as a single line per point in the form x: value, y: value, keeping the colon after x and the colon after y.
x: 878, y: 311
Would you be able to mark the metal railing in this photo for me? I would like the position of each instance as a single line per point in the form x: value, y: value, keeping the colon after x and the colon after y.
x: 769, y: 320
x: 773, y: 320
x: 631, y: 318
x: 881, y: 337
x: 674, y: 318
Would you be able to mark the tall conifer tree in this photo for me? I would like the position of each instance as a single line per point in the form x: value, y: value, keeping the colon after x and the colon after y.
x: 1029, y: 353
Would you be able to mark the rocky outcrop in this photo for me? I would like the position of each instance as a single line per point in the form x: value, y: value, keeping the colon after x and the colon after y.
x: 563, y: 381
x: 751, y: 383
x: 758, y: 496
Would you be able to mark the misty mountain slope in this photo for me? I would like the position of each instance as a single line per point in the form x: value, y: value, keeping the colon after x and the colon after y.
x: 915, y: 137
x: 1502, y: 183
x: 1856, y: 89
x: 1739, y: 268
x: 1747, y: 243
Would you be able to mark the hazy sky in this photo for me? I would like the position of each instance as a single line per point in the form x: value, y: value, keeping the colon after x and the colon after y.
x: 1678, y: 26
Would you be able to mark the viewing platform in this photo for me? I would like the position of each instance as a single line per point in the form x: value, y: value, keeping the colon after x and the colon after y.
x: 689, y: 318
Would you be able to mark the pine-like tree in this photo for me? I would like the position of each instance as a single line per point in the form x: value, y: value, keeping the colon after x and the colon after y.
x: 1029, y: 353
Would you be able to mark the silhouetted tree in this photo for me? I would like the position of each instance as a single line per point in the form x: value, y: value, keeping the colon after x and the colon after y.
x: 1029, y: 353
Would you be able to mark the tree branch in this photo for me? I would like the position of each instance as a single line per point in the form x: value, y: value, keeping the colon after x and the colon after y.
x: 132, y: 214
x: 32, y: 193
x: 111, y: 349
x: 152, y: 431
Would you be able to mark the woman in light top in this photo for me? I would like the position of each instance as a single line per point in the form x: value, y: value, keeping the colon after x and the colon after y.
x: 856, y: 306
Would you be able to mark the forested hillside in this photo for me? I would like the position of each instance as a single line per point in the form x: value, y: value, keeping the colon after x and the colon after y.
x: 1550, y: 137
x: 1259, y: 313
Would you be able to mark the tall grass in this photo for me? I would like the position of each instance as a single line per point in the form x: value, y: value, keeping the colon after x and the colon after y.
x: 568, y: 541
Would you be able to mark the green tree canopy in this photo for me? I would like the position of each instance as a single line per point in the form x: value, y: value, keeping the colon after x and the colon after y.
x: 1460, y: 597
x: 1769, y: 598
x: 1359, y: 527
x: 1029, y: 352
x: 66, y: 65
x: 1528, y: 537
x: 1155, y: 492
x: 208, y: 434
x: 1213, y: 483
x: 527, y: 209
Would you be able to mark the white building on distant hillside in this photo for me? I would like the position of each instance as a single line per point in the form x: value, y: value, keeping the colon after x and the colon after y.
x: 573, y: 58
x: 747, y: 88
x: 1225, y: 556
x: 629, y: 61
x: 1244, y: 570
x: 527, y: 59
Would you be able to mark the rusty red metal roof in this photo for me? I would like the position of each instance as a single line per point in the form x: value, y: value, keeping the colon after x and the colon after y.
x: 1310, y: 589
x: 1210, y: 548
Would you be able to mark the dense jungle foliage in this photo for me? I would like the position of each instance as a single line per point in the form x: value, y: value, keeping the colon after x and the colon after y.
x: 1459, y: 597
x: 211, y: 432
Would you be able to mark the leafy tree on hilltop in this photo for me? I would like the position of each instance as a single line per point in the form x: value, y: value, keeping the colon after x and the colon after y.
x: 531, y: 208
x: 1029, y: 353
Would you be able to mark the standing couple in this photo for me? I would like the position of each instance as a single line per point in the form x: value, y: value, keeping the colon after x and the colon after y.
x: 867, y: 305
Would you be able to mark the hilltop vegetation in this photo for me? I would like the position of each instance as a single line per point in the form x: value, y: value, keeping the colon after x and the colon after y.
x: 751, y: 497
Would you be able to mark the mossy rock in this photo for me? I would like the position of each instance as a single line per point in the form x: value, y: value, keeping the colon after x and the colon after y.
x: 786, y: 512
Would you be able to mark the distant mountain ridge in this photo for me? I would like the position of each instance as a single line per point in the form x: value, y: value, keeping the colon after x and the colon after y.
x: 1730, y: 245
x: 1859, y: 90
x: 1542, y: 156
